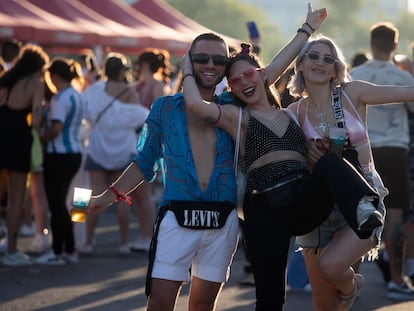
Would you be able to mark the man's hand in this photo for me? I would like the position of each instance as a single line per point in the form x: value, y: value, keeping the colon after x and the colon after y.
x: 99, y: 203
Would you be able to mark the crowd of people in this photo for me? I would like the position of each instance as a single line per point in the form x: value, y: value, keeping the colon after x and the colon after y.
x: 299, y: 184
x: 63, y: 118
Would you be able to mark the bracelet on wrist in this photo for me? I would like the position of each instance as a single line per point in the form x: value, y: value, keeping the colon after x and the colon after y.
x: 126, y: 198
x: 304, y: 31
x: 187, y: 75
x: 309, y: 25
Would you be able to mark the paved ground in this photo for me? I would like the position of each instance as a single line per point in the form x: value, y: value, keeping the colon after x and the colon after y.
x: 107, y: 281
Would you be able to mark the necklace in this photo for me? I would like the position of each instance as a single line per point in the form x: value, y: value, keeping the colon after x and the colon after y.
x: 323, y: 125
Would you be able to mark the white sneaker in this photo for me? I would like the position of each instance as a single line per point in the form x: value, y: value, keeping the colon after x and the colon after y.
x: 140, y: 245
x: 40, y: 244
x: 71, y: 259
x: 17, y: 259
x: 368, y: 218
x: 86, y: 249
x: 50, y: 259
x: 27, y: 230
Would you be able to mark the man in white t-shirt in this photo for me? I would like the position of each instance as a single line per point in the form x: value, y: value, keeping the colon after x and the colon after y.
x: 388, y: 131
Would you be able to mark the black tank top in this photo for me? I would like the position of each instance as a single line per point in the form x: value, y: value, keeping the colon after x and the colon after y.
x: 288, y: 151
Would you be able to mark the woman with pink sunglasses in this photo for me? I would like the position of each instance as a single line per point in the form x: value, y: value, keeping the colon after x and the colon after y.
x: 281, y: 193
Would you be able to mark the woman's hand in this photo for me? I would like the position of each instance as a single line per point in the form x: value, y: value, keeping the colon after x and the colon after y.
x: 315, y: 18
x: 316, y: 148
x: 186, y: 65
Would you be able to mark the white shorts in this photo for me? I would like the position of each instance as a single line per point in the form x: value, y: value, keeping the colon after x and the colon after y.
x: 209, y: 253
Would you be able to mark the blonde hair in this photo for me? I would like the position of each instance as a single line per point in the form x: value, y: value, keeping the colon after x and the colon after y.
x: 297, y: 85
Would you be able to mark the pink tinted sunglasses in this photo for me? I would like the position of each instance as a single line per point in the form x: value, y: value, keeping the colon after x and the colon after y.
x: 235, y: 81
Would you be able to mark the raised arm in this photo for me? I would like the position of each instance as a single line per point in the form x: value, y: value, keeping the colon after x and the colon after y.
x: 225, y: 117
x: 288, y: 53
x: 366, y: 93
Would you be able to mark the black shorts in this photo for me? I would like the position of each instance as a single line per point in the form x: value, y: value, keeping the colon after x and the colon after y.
x: 392, y: 165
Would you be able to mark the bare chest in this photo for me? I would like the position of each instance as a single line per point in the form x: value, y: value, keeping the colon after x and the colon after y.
x: 203, y: 141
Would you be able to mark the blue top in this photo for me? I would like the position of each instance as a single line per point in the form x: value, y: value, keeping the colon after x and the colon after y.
x: 165, y: 139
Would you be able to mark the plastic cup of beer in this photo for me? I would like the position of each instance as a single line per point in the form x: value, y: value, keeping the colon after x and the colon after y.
x: 81, y: 197
x: 336, y: 139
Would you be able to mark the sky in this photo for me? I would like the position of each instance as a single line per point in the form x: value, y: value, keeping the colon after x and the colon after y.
x: 288, y: 14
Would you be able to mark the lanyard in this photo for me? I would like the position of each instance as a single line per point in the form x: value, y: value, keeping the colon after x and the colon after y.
x: 337, y: 108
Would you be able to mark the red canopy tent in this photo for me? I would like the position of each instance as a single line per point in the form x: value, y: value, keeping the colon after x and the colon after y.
x: 112, y: 34
x: 25, y: 21
x: 68, y: 25
x: 122, y: 13
x: 170, y: 17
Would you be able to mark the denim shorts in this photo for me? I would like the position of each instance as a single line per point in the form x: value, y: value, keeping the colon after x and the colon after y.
x: 323, y: 234
x: 91, y: 165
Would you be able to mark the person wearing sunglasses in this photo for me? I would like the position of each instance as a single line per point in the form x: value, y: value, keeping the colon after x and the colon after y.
x: 329, y: 269
x: 272, y: 155
x: 196, y: 160
x: 273, y: 145
x: 389, y: 133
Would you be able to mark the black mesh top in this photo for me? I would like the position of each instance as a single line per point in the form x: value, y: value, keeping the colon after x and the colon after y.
x: 273, y: 148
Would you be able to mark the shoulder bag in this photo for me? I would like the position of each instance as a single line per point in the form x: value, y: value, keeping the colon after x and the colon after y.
x: 109, y: 105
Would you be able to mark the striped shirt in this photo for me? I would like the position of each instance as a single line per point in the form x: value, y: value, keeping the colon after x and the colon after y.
x: 66, y: 107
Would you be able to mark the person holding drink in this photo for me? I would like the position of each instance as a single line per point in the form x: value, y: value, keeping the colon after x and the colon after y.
x: 330, y: 102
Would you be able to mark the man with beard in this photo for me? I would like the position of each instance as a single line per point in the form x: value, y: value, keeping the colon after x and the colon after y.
x: 200, y: 190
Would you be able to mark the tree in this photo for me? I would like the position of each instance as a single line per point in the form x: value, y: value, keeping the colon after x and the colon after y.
x: 229, y: 17
x: 348, y: 23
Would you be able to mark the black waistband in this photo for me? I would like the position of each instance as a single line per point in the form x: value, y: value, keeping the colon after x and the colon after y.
x: 201, y: 204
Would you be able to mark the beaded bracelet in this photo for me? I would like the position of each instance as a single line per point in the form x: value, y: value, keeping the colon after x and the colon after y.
x: 304, y: 31
x: 126, y: 198
x: 309, y: 25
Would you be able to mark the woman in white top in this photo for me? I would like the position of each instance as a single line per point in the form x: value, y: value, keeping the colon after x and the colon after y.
x: 114, y: 113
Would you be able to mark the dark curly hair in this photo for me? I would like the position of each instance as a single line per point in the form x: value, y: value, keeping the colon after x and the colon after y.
x: 246, y: 54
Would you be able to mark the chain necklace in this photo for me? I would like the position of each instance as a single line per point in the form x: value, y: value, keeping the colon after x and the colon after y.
x: 323, y: 125
x: 321, y: 117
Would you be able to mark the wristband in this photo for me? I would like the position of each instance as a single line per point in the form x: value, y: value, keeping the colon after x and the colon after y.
x: 309, y: 25
x: 304, y: 31
x: 188, y: 75
x: 126, y: 198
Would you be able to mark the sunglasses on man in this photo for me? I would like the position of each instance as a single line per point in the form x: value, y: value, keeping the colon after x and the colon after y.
x: 203, y: 58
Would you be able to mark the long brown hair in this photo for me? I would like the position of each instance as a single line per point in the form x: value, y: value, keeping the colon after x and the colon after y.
x: 246, y: 54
